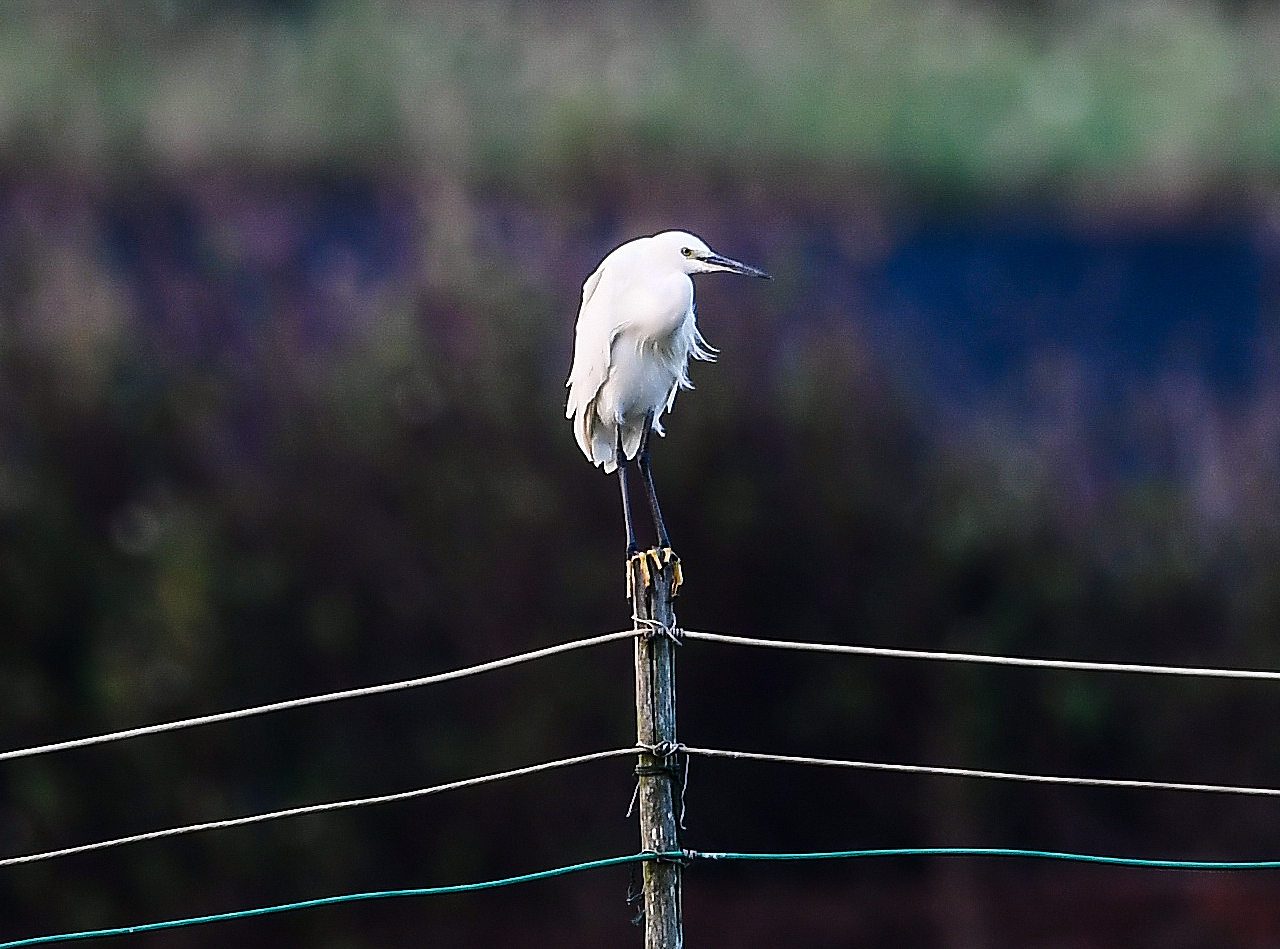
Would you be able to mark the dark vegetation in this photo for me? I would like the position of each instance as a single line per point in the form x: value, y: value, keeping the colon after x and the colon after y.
x: 242, y: 469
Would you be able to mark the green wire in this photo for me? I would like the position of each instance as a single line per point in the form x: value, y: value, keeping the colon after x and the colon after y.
x: 638, y: 857
x: 999, y: 852
x: 331, y: 900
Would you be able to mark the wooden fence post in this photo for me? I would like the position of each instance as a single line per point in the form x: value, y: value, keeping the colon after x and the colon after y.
x: 652, y: 584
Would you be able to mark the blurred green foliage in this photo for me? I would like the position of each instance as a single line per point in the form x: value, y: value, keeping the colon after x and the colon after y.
x: 1139, y: 98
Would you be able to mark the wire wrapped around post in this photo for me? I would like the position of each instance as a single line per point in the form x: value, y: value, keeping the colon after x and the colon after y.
x: 652, y: 584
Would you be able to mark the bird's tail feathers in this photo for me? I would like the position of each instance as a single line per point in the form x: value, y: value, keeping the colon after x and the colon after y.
x: 602, y: 451
x: 631, y: 436
x: 585, y: 429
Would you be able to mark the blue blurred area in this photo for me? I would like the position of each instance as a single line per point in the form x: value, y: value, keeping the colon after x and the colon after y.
x: 974, y: 303
x: 962, y: 306
x: 210, y: 267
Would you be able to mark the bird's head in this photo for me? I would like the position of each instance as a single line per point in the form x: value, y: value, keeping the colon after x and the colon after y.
x: 692, y: 255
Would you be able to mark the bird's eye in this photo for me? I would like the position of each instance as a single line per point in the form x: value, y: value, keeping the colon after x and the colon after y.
x: 687, y: 251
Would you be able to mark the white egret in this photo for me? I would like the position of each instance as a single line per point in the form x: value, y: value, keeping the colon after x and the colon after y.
x: 635, y: 336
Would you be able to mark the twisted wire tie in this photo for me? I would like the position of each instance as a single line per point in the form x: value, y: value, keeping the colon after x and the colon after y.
x: 682, y: 858
x: 663, y: 750
x: 651, y: 628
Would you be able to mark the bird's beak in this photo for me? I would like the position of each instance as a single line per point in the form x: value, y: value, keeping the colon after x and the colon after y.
x: 733, y: 266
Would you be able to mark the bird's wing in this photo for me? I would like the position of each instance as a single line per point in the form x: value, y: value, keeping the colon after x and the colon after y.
x: 589, y: 287
x: 592, y: 338
x: 593, y: 341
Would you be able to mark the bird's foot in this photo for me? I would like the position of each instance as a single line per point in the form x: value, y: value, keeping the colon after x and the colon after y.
x: 663, y: 559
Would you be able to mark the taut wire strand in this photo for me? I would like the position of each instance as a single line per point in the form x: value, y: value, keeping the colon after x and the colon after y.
x: 974, y: 773
x: 332, y: 900
x: 996, y: 852
x: 986, y: 659
x: 318, y: 699
x: 682, y: 856
x: 317, y: 808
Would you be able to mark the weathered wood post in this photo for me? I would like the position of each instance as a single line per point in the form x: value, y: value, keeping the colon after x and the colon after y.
x: 653, y: 578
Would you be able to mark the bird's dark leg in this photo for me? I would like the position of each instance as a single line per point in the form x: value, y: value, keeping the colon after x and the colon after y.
x: 632, y: 546
x: 663, y: 541
x: 664, y: 558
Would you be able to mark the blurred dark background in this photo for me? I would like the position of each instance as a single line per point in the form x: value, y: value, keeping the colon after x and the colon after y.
x: 287, y: 292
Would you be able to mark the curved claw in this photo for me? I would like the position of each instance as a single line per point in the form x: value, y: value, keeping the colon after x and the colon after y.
x: 662, y: 557
x: 640, y: 559
x: 677, y: 575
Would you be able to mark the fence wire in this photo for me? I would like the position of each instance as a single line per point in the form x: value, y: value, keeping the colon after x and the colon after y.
x: 317, y: 808
x: 682, y: 856
x: 722, y: 638
x: 317, y: 699
x: 1265, y: 675
x: 975, y: 773
x: 685, y: 856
